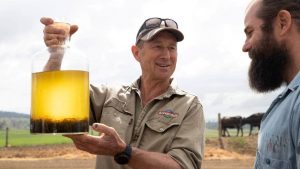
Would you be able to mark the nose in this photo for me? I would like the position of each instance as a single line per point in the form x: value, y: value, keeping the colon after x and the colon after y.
x: 246, y: 46
x: 166, y: 53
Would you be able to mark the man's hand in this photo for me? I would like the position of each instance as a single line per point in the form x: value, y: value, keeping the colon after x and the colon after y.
x: 53, y: 35
x: 108, y: 143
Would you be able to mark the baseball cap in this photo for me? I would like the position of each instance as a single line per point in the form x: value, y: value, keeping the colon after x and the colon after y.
x: 153, y: 26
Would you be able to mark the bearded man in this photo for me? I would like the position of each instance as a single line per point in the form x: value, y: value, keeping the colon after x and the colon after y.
x: 272, y: 29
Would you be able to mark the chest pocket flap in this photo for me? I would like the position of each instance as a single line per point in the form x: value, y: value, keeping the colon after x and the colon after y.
x: 161, y: 126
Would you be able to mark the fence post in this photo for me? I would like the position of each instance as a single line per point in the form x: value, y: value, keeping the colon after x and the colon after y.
x: 6, y: 137
x: 220, y: 131
x: 219, y: 125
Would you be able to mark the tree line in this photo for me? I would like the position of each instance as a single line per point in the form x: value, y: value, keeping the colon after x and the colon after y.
x: 14, y: 120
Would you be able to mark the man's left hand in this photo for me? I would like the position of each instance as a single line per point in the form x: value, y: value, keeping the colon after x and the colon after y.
x: 108, y: 143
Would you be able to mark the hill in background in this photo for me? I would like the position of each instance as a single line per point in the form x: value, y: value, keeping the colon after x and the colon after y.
x: 7, y: 114
x: 14, y: 120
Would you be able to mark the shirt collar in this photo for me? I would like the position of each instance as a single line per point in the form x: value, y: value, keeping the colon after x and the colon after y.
x: 173, y: 88
x: 294, y: 84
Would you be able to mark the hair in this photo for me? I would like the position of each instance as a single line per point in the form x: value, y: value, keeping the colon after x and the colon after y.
x: 270, y: 8
x: 140, y: 43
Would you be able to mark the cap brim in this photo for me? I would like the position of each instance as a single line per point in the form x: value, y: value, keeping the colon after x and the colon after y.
x: 179, y: 35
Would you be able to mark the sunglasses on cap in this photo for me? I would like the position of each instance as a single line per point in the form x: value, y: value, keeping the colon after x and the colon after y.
x: 152, y: 23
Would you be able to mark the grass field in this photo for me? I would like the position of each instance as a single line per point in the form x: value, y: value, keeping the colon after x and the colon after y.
x: 24, y: 138
x: 212, y: 133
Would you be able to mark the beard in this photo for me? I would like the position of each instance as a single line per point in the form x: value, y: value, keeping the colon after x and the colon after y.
x: 268, y: 65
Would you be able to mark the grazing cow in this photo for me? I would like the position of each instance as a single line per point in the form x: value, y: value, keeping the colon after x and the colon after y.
x: 253, y: 120
x: 231, y: 122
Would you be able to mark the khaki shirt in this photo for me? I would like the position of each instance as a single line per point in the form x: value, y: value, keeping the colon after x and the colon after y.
x: 172, y: 123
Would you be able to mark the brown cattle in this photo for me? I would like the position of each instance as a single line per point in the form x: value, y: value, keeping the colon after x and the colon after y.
x: 231, y: 122
x: 253, y: 120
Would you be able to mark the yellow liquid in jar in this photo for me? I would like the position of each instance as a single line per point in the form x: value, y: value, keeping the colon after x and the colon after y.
x: 60, y: 95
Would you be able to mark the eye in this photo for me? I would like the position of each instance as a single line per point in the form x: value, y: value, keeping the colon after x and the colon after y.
x: 173, y: 47
x: 157, y: 46
x: 249, y: 33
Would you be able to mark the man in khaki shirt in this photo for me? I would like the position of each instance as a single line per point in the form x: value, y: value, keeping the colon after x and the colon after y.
x: 150, y: 124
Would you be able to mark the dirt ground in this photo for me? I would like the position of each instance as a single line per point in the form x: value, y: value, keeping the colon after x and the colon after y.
x: 235, y: 155
x: 61, y: 163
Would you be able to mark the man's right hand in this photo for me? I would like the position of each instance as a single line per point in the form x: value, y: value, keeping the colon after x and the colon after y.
x: 53, y: 35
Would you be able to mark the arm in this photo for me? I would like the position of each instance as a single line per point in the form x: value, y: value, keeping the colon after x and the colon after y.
x: 55, y: 34
x: 185, y: 151
x: 109, y: 143
x: 152, y: 160
x: 187, y: 147
x: 295, y: 128
x: 55, y: 59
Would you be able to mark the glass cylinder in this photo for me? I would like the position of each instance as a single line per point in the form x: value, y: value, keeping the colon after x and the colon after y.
x: 60, y: 89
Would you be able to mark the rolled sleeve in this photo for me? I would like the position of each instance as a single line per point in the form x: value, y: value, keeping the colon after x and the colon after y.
x: 187, y: 159
x: 188, y: 146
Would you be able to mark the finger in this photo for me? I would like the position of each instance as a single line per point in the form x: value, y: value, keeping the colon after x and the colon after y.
x: 83, y: 138
x: 51, y: 42
x: 78, y: 144
x: 76, y: 136
x: 108, y: 131
x: 85, y: 143
x: 69, y: 136
x: 99, y: 127
x: 80, y: 139
x: 52, y: 30
x: 46, y: 21
x: 93, y: 147
x: 73, y: 29
x: 54, y: 36
x: 84, y: 147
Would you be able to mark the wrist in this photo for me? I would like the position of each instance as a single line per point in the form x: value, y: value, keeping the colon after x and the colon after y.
x: 124, y: 156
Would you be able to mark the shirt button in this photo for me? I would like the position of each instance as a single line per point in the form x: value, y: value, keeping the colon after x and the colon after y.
x: 135, y: 137
x: 161, y: 129
x: 268, y: 161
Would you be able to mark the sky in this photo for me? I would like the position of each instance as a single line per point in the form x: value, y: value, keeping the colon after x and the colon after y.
x: 210, y: 64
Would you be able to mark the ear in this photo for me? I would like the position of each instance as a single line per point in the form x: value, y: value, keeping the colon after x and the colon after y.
x: 136, y: 52
x: 284, y: 21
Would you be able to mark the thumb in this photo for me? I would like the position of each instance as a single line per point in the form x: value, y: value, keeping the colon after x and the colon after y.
x: 73, y: 29
x: 46, y: 21
x: 102, y: 128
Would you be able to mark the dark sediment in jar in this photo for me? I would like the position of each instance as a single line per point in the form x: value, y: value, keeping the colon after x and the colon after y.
x: 64, y: 126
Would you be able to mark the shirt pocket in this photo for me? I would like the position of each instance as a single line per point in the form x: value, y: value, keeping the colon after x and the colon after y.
x: 157, y: 136
x: 115, y: 115
x: 264, y: 162
x: 160, y: 127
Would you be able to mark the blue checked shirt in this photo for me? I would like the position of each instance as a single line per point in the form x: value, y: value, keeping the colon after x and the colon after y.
x: 279, y: 137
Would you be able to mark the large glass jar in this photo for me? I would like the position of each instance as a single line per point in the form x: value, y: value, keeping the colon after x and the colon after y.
x: 60, y: 89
